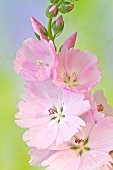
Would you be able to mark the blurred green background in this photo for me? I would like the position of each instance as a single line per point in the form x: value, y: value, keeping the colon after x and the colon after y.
x: 93, y: 20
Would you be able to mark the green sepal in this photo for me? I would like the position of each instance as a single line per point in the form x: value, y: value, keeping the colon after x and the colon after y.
x: 64, y: 8
x: 58, y: 30
x: 44, y: 33
x: 54, y: 1
x: 37, y: 36
x: 50, y: 14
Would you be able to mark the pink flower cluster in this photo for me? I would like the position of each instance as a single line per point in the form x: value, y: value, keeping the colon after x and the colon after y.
x: 68, y: 127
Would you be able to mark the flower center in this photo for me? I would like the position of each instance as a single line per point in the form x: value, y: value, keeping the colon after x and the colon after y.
x: 56, y: 114
x: 71, y: 81
x: 80, y: 145
x: 100, y: 108
x: 40, y: 63
x: 111, y: 153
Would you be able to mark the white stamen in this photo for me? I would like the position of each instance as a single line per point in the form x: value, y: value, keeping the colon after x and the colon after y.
x: 40, y: 63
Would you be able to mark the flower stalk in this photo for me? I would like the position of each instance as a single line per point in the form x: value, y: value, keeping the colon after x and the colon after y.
x: 50, y: 30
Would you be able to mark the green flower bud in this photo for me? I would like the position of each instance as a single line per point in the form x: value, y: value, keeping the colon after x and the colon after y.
x: 58, y: 26
x: 52, y: 11
x: 66, y: 7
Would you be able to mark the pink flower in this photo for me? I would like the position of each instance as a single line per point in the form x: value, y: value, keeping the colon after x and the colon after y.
x: 35, y: 60
x: 51, y: 114
x: 76, y: 70
x: 38, y: 156
x: 39, y: 29
x: 88, y: 150
x: 99, y: 106
x: 95, y: 109
x: 102, y: 104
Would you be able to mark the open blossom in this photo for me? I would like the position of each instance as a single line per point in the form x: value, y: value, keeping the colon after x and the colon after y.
x: 99, y: 106
x: 102, y: 104
x: 88, y: 150
x: 51, y: 114
x: 76, y: 70
x: 95, y: 109
x: 35, y: 60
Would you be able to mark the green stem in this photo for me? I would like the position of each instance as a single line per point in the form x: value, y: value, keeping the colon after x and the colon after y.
x: 59, y: 3
x: 49, y: 29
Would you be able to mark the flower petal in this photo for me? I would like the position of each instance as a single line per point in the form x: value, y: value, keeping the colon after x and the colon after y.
x: 101, y: 137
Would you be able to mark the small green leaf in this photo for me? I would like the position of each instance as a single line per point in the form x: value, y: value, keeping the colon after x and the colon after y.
x: 37, y: 36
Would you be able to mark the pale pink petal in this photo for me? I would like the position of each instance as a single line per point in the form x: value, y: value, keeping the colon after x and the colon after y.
x: 93, y: 160
x: 32, y: 122
x: 33, y: 107
x: 44, y: 137
x: 38, y: 156
x: 101, y: 137
x: 106, y: 168
x: 78, y: 108
x: 90, y: 123
x: 79, y: 59
x: 66, y: 159
x: 70, y: 126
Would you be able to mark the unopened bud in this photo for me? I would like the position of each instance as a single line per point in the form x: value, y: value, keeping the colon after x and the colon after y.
x: 58, y: 25
x: 40, y: 31
x: 66, y: 7
x: 52, y: 11
x: 54, y: 1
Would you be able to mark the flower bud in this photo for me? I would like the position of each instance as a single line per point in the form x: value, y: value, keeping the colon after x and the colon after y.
x: 58, y: 25
x: 66, y: 7
x: 40, y: 31
x: 54, y: 1
x: 52, y: 11
x: 70, y: 42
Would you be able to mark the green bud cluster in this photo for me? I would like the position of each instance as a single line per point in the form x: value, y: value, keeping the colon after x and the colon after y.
x: 56, y: 27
